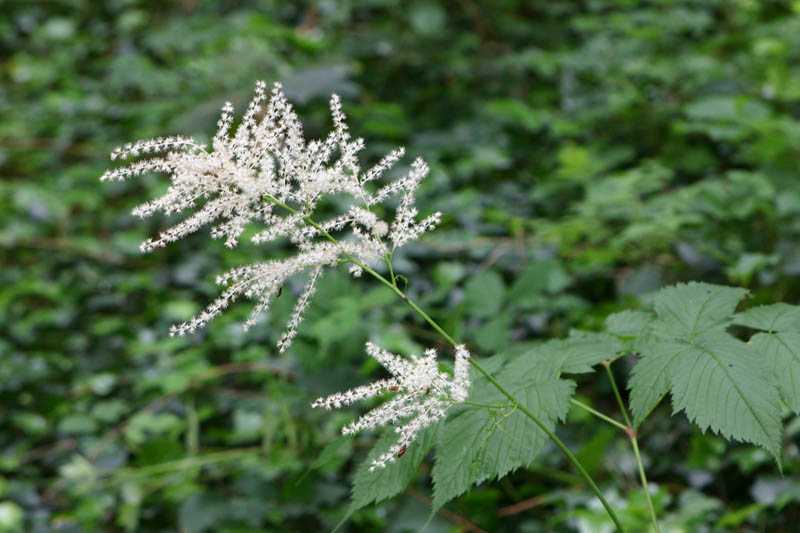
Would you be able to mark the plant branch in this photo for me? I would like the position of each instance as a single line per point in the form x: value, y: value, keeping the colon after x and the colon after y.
x: 599, y: 415
x: 393, y: 287
x: 622, y: 408
x: 486, y: 405
x: 643, y: 478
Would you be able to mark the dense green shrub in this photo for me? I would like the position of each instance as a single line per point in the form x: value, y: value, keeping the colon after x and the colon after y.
x: 584, y: 154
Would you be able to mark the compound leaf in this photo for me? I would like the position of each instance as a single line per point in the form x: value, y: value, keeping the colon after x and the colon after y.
x: 720, y: 382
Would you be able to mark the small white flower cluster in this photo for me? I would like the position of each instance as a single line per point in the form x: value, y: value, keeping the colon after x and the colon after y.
x: 423, y: 395
x: 265, y: 172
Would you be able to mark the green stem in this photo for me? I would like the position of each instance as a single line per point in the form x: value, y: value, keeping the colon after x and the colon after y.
x: 506, y: 393
x: 631, y: 432
x: 599, y: 415
x: 388, y: 260
x: 393, y: 287
x: 643, y: 478
x: 617, y: 394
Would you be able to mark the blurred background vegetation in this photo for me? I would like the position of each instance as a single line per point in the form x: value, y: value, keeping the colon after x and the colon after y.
x: 584, y: 153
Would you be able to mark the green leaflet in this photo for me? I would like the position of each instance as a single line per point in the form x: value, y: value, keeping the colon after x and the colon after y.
x: 380, y: 484
x: 650, y: 379
x: 720, y: 382
x: 633, y: 327
x: 782, y: 353
x: 480, y: 444
x: 780, y: 347
x: 775, y: 317
x: 586, y: 349
x: 577, y: 354
x: 690, y: 309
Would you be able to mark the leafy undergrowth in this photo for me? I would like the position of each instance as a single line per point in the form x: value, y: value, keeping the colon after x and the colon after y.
x: 586, y: 155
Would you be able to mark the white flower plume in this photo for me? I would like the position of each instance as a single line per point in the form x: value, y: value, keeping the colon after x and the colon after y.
x: 265, y: 172
x: 423, y: 395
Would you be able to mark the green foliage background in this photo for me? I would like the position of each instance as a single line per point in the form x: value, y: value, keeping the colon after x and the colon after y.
x: 584, y: 155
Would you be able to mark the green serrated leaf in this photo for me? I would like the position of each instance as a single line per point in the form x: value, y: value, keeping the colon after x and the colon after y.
x: 720, y: 385
x: 650, y: 378
x: 585, y: 349
x: 481, y: 444
x: 380, y: 484
x: 691, y: 309
x: 782, y: 353
x: 716, y: 379
x: 777, y: 317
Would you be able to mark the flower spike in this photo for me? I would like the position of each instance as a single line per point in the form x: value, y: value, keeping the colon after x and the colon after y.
x: 423, y: 396
x: 264, y: 173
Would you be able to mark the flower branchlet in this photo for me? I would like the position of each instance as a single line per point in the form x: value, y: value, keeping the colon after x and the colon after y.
x: 424, y: 393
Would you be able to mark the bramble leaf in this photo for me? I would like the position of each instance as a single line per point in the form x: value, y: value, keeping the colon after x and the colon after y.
x: 719, y: 381
x: 629, y: 323
x: 585, y: 349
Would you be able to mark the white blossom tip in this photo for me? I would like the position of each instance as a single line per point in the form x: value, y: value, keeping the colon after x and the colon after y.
x: 423, y: 395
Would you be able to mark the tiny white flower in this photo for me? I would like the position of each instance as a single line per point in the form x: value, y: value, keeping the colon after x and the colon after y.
x: 423, y: 396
